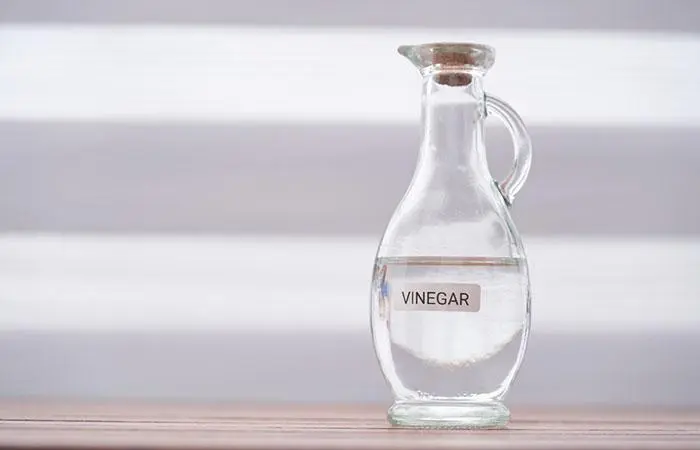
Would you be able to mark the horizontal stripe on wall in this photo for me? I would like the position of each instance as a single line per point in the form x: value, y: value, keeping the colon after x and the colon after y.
x: 332, y: 180
x: 658, y: 15
x: 281, y: 283
x: 248, y: 74
x: 618, y: 369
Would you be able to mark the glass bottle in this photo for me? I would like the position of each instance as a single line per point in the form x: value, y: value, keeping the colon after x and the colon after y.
x: 450, y: 295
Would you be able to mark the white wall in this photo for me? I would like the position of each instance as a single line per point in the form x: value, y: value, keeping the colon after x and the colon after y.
x: 191, y: 194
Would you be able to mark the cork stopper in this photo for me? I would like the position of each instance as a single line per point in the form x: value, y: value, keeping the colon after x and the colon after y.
x: 455, y: 63
x: 453, y: 59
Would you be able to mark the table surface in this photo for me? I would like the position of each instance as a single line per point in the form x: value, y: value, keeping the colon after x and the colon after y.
x: 178, y: 426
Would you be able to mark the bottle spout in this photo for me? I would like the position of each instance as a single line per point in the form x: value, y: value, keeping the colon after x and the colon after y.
x: 457, y: 60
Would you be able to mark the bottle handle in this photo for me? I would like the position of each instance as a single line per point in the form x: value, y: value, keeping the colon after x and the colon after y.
x: 521, y: 143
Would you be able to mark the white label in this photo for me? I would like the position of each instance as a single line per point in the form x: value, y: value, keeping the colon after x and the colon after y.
x: 460, y: 297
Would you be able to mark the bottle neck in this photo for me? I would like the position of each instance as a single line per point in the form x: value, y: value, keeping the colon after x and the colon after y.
x: 452, y: 118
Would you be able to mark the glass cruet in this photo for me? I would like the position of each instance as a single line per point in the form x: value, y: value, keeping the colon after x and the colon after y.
x: 450, y: 294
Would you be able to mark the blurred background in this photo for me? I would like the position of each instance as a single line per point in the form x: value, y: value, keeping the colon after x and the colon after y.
x: 191, y: 193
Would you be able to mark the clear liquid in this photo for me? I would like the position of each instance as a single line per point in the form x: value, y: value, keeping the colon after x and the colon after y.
x: 451, y: 353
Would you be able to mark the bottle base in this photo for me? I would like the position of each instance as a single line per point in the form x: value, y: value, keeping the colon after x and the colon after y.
x: 449, y: 414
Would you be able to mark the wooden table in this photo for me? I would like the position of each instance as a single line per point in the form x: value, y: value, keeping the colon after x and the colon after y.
x: 149, y: 426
